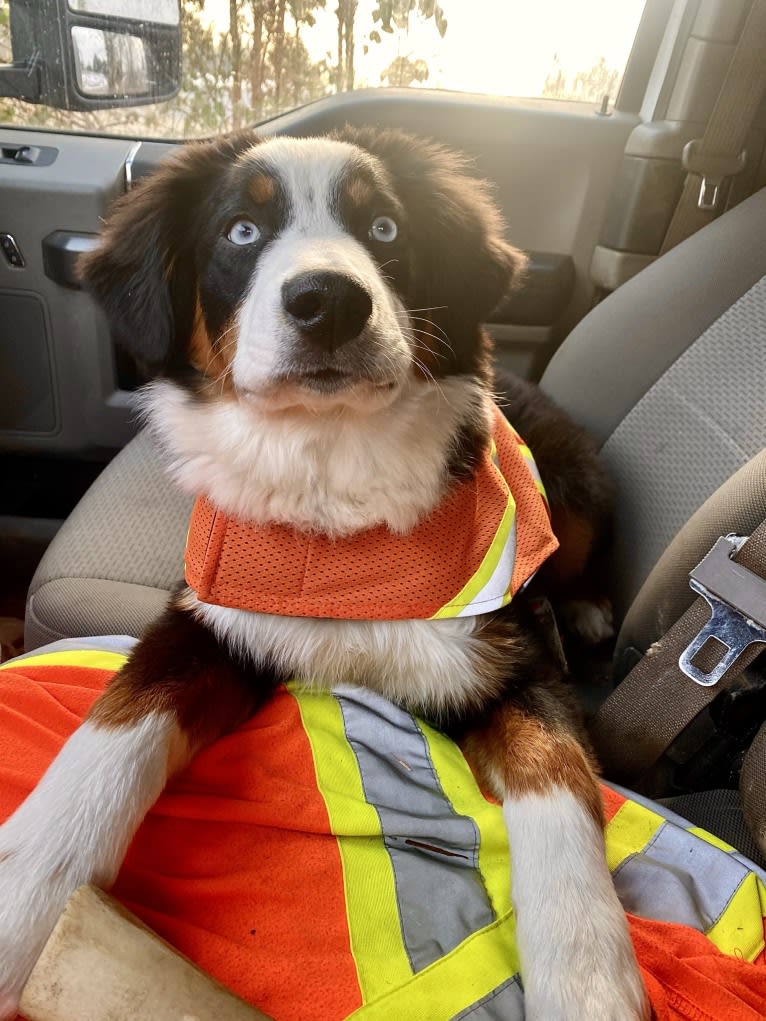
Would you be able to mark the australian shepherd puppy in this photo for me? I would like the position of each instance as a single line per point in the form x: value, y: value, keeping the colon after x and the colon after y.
x: 312, y: 311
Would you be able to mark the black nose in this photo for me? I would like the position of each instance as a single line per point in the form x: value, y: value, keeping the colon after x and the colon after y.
x: 329, y: 308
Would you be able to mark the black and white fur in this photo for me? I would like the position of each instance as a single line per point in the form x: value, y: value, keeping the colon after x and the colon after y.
x: 312, y: 310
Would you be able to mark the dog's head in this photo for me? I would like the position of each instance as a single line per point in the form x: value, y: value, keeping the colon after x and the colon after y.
x: 305, y: 272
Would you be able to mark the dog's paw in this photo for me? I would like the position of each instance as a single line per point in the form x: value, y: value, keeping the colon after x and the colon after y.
x: 9, y: 1007
x: 577, y: 956
x: 591, y: 621
x: 595, y: 980
x: 32, y: 897
x: 25, y: 924
x: 595, y: 997
x: 599, y: 1004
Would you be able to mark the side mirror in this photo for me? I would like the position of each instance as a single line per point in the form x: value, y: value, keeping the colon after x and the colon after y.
x: 93, y: 54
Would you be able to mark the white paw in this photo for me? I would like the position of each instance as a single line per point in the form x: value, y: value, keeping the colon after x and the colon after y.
x: 576, y: 954
x: 589, y: 972
x: 73, y: 829
x: 30, y: 905
x: 602, y: 994
x: 38, y: 875
x: 8, y: 1007
x: 593, y: 622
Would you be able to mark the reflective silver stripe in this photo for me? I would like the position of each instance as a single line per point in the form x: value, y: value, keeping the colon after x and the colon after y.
x: 494, y: 593
x: 122, y: 645
x: 506, y: 1003
x: 531, y: 464
x: 679, y: 877
x: 684, y: 824
x: 433, y: 850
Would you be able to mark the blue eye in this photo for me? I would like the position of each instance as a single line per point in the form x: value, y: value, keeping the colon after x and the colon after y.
x: 383, y: 229
x: 243, y: 232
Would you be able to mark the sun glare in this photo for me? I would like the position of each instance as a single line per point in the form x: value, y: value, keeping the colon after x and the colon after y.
x: 502, y: 47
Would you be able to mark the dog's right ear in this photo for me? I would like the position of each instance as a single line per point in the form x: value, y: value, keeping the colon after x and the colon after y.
x: 143, y: 274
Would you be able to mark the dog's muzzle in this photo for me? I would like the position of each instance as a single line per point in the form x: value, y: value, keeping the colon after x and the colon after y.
x: 329, y: 309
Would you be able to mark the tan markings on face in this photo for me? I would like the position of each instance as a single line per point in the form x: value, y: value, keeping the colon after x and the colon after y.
x: 211, y: 356
x: 360, y: 192
x: 262, y: 189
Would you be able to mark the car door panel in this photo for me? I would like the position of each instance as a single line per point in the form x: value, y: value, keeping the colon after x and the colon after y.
x: 57, y: 387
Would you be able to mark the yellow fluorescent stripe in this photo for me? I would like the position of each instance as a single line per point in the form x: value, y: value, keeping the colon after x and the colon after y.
x: 371, y: 906
x: 710, y: 838
x: 528, y: 456
x: 464, y: 795
x: 739, y: 930
x: 475, y: 584
x: 629, y: 831
x: 95, y: 659
x: 469, y: 972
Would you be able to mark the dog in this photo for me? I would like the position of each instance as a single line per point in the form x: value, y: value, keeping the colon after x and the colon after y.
x: 311, y: 310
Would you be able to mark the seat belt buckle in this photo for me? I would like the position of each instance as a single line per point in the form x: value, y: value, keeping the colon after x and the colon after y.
x: 712, y: 169
x: 737, y: 600
x: 710, y: 190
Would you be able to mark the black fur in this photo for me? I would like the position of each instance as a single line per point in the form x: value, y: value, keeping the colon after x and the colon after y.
x: 146, y: 270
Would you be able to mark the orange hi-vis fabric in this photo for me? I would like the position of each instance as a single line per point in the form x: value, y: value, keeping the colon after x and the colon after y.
x: 334, y: 858
x: 487, y: 538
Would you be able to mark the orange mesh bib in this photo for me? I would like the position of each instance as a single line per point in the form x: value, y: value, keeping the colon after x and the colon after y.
x: 485, y: 540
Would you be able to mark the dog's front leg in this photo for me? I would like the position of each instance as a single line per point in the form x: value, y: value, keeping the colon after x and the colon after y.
x: 577, y: 960
x: 179, y: 691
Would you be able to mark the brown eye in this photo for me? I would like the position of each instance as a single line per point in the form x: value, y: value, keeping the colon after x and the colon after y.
x: 383, y: 229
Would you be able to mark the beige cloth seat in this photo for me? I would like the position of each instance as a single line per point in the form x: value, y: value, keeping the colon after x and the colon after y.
x: 115, y: 559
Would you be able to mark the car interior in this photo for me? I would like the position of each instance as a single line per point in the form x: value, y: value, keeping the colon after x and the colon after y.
x: 659, y: 353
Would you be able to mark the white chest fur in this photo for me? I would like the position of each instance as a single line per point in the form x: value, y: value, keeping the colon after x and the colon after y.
x: 420, y: 664
x: 334, y: 473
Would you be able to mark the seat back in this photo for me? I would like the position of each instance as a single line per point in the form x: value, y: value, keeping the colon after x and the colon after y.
x: 669, y: 375
x: 115, y: 559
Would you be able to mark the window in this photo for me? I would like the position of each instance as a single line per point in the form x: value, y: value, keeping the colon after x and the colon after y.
x: 247, y: 60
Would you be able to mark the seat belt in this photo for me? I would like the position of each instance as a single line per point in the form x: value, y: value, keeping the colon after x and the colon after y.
x: 685, y: 670
x: 720, y: 152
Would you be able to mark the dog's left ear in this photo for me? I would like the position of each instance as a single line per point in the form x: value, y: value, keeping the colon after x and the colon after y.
x: 497, y: 270
x: 143, y: 273
x: 452, y: 220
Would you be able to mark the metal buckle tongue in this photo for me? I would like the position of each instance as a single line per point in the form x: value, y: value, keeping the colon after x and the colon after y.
x: 713, y: 170
x: 737, y: 599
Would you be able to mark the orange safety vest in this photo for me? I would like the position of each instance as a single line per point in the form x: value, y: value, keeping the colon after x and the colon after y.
x: 483, y: 543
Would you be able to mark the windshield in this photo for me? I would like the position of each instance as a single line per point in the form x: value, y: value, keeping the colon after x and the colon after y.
x: 245, y: 61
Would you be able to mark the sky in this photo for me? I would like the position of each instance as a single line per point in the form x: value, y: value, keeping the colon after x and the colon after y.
x: 503, y: 47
